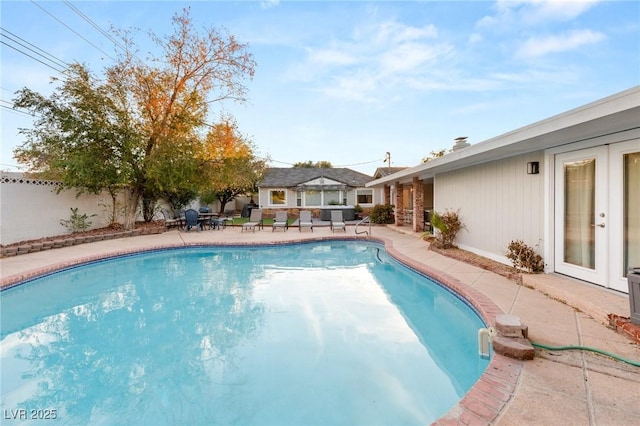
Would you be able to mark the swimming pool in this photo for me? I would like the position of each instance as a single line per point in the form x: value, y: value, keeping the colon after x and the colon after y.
x: 315, y: 333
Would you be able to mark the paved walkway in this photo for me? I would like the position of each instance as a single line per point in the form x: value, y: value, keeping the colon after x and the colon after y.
x: 556, y: 388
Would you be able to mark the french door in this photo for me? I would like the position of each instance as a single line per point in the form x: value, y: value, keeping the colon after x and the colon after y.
x: 597, y: 213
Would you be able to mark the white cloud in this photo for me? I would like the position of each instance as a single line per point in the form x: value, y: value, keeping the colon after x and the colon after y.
x: 539, y: 46
x: 268, y: 4
x: 376, y: 60
x: 331, y: 57
x: 514, y: 14
x: 555, y: 10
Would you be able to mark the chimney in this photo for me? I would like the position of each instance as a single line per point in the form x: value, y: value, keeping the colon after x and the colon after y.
x: 461, y: 142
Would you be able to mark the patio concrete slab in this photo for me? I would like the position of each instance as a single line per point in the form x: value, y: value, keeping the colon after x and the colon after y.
x: 556, y: 388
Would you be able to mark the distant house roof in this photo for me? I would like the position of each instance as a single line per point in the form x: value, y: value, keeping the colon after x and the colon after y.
x: 386, y: 171
x: 293, y: 176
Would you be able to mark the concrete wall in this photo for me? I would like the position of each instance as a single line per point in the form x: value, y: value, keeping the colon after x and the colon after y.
x: 498, y: 202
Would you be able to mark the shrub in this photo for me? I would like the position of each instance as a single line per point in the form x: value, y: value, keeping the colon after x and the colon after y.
x: 448, y: 225
x: 382, y: 214
x: 77, y: 222
x: 524, y: 257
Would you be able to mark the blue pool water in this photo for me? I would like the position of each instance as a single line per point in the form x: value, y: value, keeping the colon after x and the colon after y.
x: 326, y: 333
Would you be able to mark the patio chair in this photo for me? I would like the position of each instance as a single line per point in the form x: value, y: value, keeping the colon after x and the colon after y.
x: 255, y: 220
x: 305, y: 221
x: 426, y: 221
x: 170, y: 221
x: 337, y: 221
x: 280, y: 221
x: 191, y: 220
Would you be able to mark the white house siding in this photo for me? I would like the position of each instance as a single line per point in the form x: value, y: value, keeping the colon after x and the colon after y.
x: 30, y: 208
x: 498, y: 202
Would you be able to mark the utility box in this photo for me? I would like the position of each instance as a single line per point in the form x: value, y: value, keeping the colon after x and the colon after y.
x: 633, y: 279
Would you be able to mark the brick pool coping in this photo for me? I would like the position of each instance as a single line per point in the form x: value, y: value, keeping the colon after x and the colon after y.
x: 481, y: 405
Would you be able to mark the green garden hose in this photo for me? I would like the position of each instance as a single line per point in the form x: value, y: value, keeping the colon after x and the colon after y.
x: 585, y: 348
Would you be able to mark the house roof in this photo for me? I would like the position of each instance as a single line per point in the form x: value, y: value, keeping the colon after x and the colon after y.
x: 614, y: 114
x: 294, y: 176
x: 386, y: 171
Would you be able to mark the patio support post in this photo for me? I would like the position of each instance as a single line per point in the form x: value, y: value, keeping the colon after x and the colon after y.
x: 399, y: 216
x: 387, y: 195
x: 418, y: 205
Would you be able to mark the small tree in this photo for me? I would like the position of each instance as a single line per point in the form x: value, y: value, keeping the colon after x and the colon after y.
x: 448, y: 225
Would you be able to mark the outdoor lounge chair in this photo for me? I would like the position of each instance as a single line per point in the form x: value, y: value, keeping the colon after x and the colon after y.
x: 170, y: 221
x: 255, y: 220
x: 337, y: 222
x: 280, y: 221
x: 305, y: 221
x: 191, y: 220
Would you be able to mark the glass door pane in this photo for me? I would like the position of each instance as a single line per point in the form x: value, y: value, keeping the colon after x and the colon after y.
x: 579, y: 213
x: 631, y: 244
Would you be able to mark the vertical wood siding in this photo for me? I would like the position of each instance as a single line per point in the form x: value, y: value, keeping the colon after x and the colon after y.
x: 498, y: 202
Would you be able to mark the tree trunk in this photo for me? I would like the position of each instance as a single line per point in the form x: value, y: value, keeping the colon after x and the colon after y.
x: 131, y: 201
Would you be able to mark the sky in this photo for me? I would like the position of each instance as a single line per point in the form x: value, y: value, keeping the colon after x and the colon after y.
x: 350, y: 81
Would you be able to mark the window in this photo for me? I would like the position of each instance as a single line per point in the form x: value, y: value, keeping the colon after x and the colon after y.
x: 331, y: 198
x: 364, y: 196
x: 312, y: 198
x: 277, y: 197
x: 299, y: 199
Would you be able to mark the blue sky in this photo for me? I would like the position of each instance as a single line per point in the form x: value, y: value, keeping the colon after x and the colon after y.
x: 348, y: 81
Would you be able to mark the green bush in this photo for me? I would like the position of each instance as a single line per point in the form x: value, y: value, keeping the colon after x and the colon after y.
x: 382, y: 214
x: 77, y: 222
x: 448, y: 225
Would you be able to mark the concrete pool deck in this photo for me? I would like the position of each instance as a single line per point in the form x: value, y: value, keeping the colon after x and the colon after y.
x: 556, y: 388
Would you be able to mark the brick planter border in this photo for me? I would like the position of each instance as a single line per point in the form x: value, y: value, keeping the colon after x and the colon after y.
x: 71, y: 240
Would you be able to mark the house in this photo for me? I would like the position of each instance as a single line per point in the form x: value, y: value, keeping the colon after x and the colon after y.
x: 568, y: 186
x: 315, y: 188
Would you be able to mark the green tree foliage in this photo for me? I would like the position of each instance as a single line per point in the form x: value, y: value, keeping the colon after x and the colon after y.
x: 139, y: 128
x: 311, y: 165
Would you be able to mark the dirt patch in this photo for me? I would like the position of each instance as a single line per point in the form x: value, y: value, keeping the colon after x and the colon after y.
x: 481, y: 262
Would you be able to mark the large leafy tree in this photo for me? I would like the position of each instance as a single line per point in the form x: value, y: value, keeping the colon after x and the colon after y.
x: 231, y: 166
x: 140, y: 128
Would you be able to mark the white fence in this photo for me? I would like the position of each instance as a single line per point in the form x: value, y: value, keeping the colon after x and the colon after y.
x: 31, y: 209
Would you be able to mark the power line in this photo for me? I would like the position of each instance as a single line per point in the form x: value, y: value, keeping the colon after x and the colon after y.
x: 94, y: 25
x: 34, y: 58
x: 46, y: 55
x: 16, y: 111
x: 71, y: 29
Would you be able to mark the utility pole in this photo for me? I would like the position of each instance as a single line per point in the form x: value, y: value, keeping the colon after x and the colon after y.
x: 387, y: 159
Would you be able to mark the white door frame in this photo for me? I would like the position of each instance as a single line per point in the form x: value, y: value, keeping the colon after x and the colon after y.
x: 619, y: 144
x: 598, y: 222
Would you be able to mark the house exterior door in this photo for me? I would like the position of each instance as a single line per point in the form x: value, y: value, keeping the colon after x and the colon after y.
x: 597, y: 212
